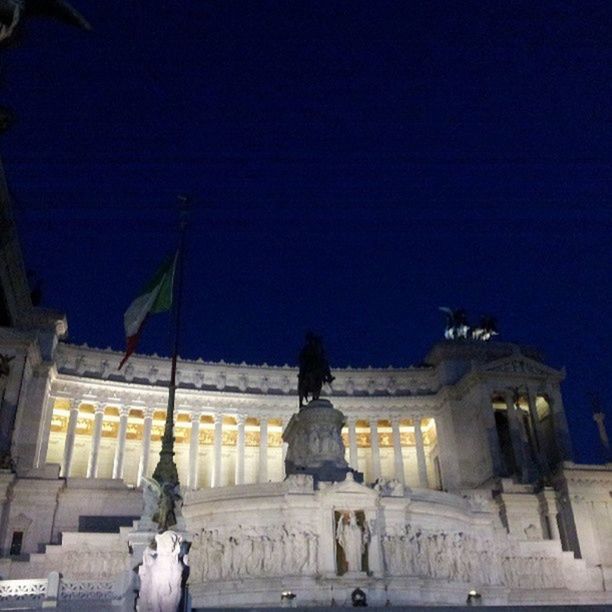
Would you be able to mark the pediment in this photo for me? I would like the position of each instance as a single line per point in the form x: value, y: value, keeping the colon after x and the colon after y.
x: 348, y: 487
x: 519, y: 364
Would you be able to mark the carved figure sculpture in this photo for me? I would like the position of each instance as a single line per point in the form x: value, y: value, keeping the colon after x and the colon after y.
x: 314, y: 369
x: 351, y: 537
x: 160, y: 575
x: 160, y: 502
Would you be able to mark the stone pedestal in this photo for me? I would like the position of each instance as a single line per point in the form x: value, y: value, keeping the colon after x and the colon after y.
x: 314, y: 443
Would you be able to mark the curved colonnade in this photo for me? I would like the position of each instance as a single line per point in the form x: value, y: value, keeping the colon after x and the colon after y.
x: 228, y: 420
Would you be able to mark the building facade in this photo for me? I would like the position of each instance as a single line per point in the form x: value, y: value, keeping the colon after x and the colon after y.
x: 468, y: 480
x: 464, y: 455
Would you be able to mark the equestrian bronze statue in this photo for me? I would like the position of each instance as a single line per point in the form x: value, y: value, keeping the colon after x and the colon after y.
x: 314, y: 369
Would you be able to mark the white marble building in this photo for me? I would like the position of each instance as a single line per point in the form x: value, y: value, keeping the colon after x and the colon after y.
x: 460, y: 448
x: 469, y: 483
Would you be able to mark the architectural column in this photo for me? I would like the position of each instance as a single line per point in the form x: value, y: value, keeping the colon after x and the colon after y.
x: 375, y: 449
x: 143, y: 468
x: 42, y: 443
x: 535, y: 422
x: 488, y: 416
x: 92, y: 466
x: 352, y: 435
x: 561, y: 437
x: 240, y: 420
x: 218, y: 443
x: 398, y: 459
x: 283, y: 450
x: 420, y: 452
x: 517, y: 437
x: 120, y: 448
x: 447, y: 448
x: 194, y: 448
x: 70, y: 433
x: 539, y: 439
x: 263, y: 449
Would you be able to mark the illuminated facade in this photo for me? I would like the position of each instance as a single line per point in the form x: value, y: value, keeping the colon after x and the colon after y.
x: 228, y: 429
x: 454, y: 455
x: 468, y: 483
x: 402, y: 424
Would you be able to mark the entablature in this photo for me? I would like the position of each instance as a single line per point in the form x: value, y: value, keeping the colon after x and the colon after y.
x: 105, y: 392
x: 93, y: 363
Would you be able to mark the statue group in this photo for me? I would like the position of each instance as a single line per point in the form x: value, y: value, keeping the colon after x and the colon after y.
x: 458, y: 327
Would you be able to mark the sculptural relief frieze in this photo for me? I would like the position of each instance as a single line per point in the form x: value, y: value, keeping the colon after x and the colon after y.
x: 456, y: 556
x: 252, y: 551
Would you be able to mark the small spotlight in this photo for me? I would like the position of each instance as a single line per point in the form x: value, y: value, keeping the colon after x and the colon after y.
x: 474, y: 598
x: 287, y: 599
x: 359, y: 599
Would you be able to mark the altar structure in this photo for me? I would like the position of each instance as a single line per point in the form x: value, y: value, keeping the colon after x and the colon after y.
x: 465, y: 459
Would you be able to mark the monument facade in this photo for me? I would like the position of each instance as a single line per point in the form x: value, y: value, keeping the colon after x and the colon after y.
x: 414, y: 484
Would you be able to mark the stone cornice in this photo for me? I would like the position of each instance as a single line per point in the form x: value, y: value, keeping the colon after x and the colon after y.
x: 92, y: 363
x: 599, y: 476
x: 85, y: 372
x: 104, y: 392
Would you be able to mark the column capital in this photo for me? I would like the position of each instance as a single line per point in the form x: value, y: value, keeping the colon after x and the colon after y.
x: 217, y: 418
x: 123, y: 410
x: 195, y: 416
x: 373, y: 420
x: 395, y: 420
x: 148, y: 412
x: 241, y: 419
x: 351, y: 419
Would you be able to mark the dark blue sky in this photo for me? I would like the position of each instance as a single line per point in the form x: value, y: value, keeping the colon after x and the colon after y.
x: 354, y: 165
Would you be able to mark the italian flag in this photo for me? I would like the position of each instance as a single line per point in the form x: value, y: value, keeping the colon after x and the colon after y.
x: 155, y: 296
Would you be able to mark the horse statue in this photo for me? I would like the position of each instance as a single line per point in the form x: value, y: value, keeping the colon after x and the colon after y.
x: 457, y: 326
x: 486, y: 329
x: 314, y: 369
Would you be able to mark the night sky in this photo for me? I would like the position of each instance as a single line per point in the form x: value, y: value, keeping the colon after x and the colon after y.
x: 353, y: 166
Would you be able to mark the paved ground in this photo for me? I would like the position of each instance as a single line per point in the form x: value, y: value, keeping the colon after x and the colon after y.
x: 436, y: 608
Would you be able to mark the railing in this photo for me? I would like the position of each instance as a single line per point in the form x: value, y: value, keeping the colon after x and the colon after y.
x: 20, y: 590
x: 48, y: 592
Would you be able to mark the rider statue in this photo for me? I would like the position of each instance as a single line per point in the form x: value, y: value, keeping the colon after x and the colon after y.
x: 314, y: 369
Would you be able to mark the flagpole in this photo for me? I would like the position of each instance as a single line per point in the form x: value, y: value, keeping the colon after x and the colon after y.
x: 165, y: 471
